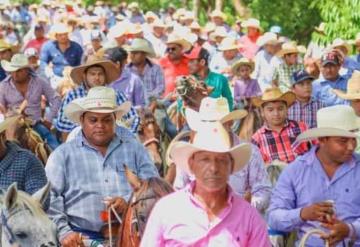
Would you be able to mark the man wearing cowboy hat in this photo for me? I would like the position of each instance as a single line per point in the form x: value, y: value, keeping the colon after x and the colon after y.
x: 275, y: 139
x: 6, y: 52
x: 17, y: 164
x: 87, y: 173
x: 248, y: 41
x: 39, y: 40
x: 283, y: 72
x: 218, y: 18
x: 349, y: 64
x: 208, y: 212
x: 199, y: 67
x: 227, y: 55
x: 174, y: 64
x: 94, y: 73
x: 157, y: 37
x: 23, y: 84
x: 333, y: 169
x: 331, y: 79
x: 263, y: 70
x: 60, y: 52
x: 136, y: 15
x: 150, y: 73
x: 251, y: 182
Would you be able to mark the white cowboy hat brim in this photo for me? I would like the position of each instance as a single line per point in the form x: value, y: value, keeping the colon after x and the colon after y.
x: 315, y: 133
x: 111, y: 72
x: 182, y: 151
x: 283, y: 52
x: 184, y: 44
x: 74, y: 110
x: 195, y: 121
x: 8, y: 67
x: 346, y: 95
x: 231, y: 47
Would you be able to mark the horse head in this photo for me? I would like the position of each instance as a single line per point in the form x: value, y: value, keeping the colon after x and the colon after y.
x: 192, y: 91
x: 24, y: 223
x: 145, y: 194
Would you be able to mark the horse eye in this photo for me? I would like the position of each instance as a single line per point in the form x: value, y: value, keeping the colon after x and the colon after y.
x: 21, y: 235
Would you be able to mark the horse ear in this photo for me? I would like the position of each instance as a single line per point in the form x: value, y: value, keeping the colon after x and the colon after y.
x: 209, y: 89
x: 42, y: 194
x: 11, y: 196
x: 133, y: 180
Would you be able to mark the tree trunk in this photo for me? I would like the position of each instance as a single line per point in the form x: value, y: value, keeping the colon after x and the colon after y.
x: 242, y: 10
x: 196, y: 8
x: 218, y: 4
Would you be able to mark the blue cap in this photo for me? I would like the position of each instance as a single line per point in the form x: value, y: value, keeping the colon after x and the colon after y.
x: 301, y: 75
x: 275, y: 29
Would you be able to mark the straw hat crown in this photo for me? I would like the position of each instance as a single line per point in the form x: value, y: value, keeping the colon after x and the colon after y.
x: 228, y: 43
x: 18, y: 61
x: 141, y: 45
x: 353, y: 88
x: 274, y: 94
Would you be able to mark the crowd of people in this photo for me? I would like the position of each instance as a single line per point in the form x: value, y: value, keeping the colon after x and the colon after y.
x: 81, y: 75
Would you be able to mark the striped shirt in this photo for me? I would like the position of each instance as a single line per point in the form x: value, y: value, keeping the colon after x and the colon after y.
x: 63, y: 124
x: 81, y: 177
x: 283, y: 74
x: 305, y: 112
x: 275, y: 145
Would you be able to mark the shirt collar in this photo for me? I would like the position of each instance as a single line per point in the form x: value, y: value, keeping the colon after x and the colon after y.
x: 340, y: 78
x: 286, y: 125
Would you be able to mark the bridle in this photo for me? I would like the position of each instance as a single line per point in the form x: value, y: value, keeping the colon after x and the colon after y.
x: 5, y: 216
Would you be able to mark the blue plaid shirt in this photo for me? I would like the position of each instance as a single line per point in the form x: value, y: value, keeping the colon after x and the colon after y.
x: 22, y: 167
x: 81, y: 177
x: 63, y: 124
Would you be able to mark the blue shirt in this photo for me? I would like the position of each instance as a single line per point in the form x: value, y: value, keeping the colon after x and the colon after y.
x: 303, y: 183
x: 63, y: 124
x: 323, y: 91
x: 3, y: 74
x: 81, y: 177
x: 50, y: 52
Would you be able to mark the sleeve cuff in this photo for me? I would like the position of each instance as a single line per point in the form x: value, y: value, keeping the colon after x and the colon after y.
x: 294, y: 216
x: 63, y: 232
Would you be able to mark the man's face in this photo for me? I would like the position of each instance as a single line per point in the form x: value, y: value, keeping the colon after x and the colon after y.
x: 159, y: 31
x: 174, y: 51
x: 211, y: 170
x: 98, y: 128
x: 338, y: 149
x: 20, y: 75
x: 218, y: 21
x: 62, y: 38
x: 137, y: 57
x: 244, y: 71
x: 194, y: 66
x: 355, y: 104
x: 230, y: 54
x: 274, y: 113
x: 6, y: 55
x: 39, y: 33
x: 271, y: 49
x: 96, y: 44
x: 95, y: 76
x: 291, y: 59
x: 252, y: 31
x: 303, y: 89
x: 330, y: 71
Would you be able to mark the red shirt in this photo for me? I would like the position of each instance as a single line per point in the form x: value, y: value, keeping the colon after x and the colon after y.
x: 275, y: 145
x: 171, y: 71
x: 250, y: 47
x: 36, y: 43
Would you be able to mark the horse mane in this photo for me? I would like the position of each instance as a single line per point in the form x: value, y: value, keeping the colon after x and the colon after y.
x: 159, y: 186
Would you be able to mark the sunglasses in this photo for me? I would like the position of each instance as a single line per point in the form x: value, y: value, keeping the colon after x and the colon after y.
x: 171, y: 49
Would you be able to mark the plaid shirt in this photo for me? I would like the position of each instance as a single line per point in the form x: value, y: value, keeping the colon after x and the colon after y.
x: 81, y: 178
x: 63, y: 124
x: 305, y: 112
x: 278, y: 146
x: 283, y: 74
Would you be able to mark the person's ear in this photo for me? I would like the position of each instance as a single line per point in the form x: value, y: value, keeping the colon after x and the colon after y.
x: 191, y: 164
x: 202, y: 62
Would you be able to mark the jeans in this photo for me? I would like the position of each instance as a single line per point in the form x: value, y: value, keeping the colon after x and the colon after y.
x: 46, y: 135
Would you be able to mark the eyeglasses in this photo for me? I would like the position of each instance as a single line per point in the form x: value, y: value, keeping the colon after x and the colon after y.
x: 171, y: 49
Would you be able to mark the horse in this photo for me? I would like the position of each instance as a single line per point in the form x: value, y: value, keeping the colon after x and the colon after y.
x: 23, y: 221
x: 146, y: 194
x: 251, y: 123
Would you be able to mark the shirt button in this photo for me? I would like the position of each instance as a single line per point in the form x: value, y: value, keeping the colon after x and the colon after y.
x: 106, y: 180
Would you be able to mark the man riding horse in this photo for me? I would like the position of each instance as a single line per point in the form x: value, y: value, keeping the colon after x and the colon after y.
x: 89, y: 171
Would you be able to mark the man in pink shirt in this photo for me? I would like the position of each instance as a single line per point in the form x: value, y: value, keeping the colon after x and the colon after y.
x: 39, y: 40
x: 248, y: 41
x: 207, y: 212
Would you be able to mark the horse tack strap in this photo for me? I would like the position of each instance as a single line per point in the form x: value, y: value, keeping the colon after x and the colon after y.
x: 151, y: 141
x: 8, y: 231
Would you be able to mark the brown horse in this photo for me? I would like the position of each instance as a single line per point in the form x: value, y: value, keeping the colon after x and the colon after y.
x: 251, y: 123
x: 146, y: 194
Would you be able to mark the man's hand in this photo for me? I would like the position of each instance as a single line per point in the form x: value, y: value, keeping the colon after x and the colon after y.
x: 118, y: 203
x: 47, y: 124
x: 317, y: 212
x: 338, y: 231
x: 73, y: 239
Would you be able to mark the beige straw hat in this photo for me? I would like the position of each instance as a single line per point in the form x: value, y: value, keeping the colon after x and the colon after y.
x: 177, y: 39
x: 143, y: 46
x: 288, y: 48
x: 18, y: 61
x: 228, y: 44
x: 274, y: 94
x: 353, y: 88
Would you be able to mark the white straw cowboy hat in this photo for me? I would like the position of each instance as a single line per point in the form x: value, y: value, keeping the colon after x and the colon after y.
x: 338, y: 120
x: 99, y: 100
x: 18, y: 61
x: 219, y: 32
x: 212, y: 110
x: 59, y: 28
x: 218, y: 13
x: 288, y: 48
x: 143, y: 46
x: 338, y: 42
x: 177, y: 39
x: 243, y: 61
x: 320, y: 28
x: 111, y: 72
x: 274, y: 94
x: 267, y: 38
x: 159, y: 23
x: 353, y: 88
x: 212, y: 138
x: 228, y: 44
x: 251, y: 22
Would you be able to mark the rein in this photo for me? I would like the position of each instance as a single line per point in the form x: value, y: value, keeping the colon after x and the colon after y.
x: 5, y: 216
x: 112, y: 210
x: 151, y: 140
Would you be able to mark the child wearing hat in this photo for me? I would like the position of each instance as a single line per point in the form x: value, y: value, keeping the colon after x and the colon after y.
x: 244, y: 86
x: 276, y: 137
x: 305, y: 106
